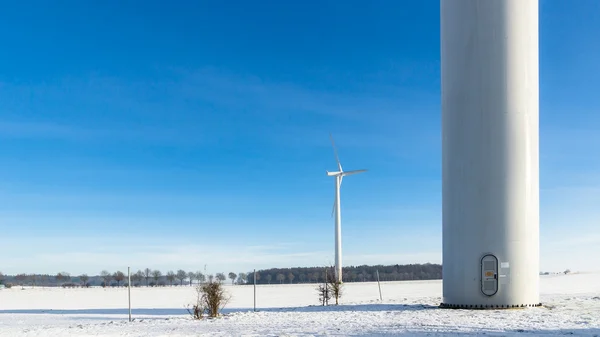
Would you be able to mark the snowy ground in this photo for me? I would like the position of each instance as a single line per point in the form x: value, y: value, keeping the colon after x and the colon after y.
x: 571, y: 307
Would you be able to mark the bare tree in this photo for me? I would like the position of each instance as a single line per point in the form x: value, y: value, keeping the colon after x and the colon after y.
x: 181, y: 276
x: 63, y: 277
x: 106, y: 277
x: 171, y: 277
x: 137, y: 277
x: 200, y: 277
x: 232, y: 277
x: 221, y: 277
x: 280, y: 278
x: 58, y: 277
x: 147, y: 273
x: 191, y: 276
x: 268, y: 278
x: 84, y: 279
x: 119, y: 276
x: 211, y: 278
x: 242, y: 278
x: 140, y: 277
x: 156, y: 274
x: 291, y: 277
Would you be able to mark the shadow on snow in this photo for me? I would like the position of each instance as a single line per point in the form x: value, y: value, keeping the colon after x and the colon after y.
x: 594, y: 332
x: 348, y: 307
x: 183, y: 311
x: 412, y: 330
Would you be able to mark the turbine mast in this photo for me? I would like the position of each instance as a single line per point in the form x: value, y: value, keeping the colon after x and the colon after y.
x: 337, y: 211
x: 338, y: 231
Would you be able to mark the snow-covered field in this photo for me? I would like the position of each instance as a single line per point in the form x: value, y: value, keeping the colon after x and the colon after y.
x: 571, y: 307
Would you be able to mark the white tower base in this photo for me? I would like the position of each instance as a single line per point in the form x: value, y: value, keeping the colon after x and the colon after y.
x: 489, y: 75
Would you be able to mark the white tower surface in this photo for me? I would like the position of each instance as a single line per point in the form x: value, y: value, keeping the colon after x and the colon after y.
x: 490, y: 153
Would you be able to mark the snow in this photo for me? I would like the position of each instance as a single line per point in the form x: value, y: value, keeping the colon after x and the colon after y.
x: 571, y: 307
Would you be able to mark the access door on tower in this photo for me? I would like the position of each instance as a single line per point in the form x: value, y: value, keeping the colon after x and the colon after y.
x: 489, y: 275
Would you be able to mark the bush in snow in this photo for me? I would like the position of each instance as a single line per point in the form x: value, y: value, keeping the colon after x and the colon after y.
x: 324, y: 294
x: 330, y: 289
x: 335, y: 289
x: 210, y: 299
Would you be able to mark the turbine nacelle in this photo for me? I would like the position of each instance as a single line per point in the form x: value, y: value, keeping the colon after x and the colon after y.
x: 344, y: 173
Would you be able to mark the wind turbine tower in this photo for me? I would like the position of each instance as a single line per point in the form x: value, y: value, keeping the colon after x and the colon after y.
x: 490, y: 153
x: 338, y: 175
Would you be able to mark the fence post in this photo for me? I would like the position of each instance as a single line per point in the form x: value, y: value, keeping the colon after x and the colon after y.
x: 379, y: 285
x: 326, y: 288
x: 254, y: 290
x: 129, y: 290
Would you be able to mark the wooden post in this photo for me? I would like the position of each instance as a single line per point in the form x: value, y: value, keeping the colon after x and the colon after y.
x: 326, y: 288
x: 129, y: 290
x: 379, y: 285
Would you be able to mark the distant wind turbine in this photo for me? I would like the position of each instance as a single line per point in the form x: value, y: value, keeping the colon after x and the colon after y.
x: 339, y: 175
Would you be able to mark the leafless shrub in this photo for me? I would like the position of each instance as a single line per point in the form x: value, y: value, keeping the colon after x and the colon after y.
x: 332, y: 288
x: 210, y: 299
x: 197, y: 309
x: 324, y: 294
x: 335, y: 287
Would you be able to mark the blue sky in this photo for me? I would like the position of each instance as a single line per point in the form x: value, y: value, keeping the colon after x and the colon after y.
x: 148, y: 134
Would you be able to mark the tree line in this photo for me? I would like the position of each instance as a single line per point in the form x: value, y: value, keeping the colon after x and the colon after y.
x: 147, y: 277
x: 363, y: 273
x: 155, y: 278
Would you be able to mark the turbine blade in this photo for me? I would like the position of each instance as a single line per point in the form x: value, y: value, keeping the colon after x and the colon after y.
x: 348, y: 173
x: 335, y: 152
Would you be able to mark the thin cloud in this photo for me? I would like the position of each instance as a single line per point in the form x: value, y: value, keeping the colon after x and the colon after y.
x: 140, y: 134
x: 369, y: 119
x: 189, y: 257
x: 238, y: 91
